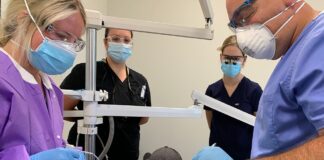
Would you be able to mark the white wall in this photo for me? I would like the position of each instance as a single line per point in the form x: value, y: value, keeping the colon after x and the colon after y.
x: 175, y: 66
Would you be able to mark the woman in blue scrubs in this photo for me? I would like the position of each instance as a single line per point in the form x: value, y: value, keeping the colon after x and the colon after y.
x: 234, y: 89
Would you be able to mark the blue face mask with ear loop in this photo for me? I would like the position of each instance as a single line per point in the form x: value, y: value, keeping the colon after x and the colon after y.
x: 51, y: 56
x: 231, y: 69
x: 119, y: 52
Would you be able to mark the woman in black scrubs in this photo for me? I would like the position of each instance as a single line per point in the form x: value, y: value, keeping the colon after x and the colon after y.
x: 125, y: 87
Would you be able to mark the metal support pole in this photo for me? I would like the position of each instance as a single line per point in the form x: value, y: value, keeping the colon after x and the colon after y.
x: 90, y: 106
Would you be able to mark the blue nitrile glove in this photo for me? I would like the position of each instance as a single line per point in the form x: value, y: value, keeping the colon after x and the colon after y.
x: 212, y: 153
x: 59, y: 154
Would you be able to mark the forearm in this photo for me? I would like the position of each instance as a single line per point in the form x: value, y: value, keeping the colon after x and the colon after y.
x: 312, y: 149
x: 69, y: 104
x: 209, y: 116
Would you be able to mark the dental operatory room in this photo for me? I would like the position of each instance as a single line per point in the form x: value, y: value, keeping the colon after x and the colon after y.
x: 161, y: 79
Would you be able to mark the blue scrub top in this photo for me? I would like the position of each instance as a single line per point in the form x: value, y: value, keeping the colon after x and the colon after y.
x: 28, y: 123
x: 291, y: 108
x: 234, y: 136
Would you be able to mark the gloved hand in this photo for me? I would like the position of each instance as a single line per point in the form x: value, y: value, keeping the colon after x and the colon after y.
x: 59, y: 154
x: 212, y: 153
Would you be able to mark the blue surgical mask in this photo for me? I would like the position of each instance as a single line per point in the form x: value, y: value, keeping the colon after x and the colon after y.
x: 231, y: 70
x: 119, y: 52
x: 51, y: 57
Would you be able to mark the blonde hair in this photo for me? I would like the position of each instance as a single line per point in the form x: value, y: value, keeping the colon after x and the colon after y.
x: 230, y: 41
x: 17, y: 24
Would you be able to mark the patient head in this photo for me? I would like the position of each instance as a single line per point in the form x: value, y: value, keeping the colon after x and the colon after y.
x: 164, y: 153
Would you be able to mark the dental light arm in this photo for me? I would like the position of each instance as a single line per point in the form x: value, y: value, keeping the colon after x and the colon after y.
x: 85, y: 95
x: 140, y: 111
x: 223, y: 108
x: 96, y: 20
x: 157, y: 28
x: 207, y: 11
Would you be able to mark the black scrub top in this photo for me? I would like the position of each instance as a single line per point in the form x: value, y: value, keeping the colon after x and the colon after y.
x: 234, y: 136
x: 125, y: 145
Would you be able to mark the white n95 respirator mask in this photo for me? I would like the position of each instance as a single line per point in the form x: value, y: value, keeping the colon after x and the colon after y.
x: 257, y: 41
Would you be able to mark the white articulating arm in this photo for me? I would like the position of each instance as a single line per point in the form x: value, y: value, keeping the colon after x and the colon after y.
x: 194, y: 111
x: 141, y: 111
x: 126, y: 110
x: 96, y: 20
x: 223, y: 108
x: 85, y: 95
x: 207, y: 11
x: 157, y: 28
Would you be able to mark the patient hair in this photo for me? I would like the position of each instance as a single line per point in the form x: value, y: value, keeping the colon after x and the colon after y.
x: 163, y: 153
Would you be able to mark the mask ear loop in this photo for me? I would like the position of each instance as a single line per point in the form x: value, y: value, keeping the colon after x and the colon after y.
x: 32, y: 18
x: 290, y: 18
x: 282, y: 13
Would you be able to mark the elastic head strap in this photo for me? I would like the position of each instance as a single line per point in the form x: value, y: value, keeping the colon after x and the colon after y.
x: 32, y: 18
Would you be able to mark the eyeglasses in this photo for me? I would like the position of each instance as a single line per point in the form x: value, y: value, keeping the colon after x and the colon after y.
x: 232, y: 59
x: 68, y: 38
x: 242, y: 15
x: 119, y: 39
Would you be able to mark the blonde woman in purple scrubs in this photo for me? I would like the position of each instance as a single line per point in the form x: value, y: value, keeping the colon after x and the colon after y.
x: 38, y: 38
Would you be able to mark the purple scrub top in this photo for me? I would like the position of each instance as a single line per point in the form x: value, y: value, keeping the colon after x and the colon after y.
x: 28, y: 123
